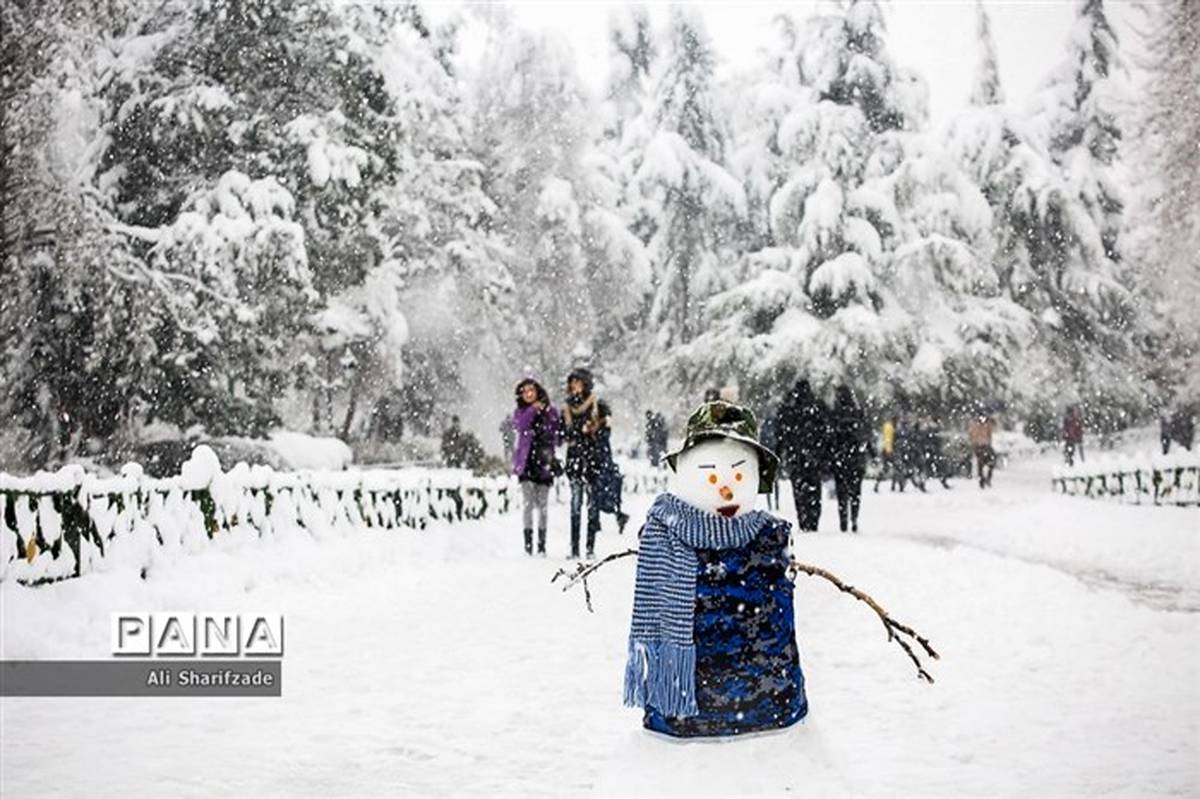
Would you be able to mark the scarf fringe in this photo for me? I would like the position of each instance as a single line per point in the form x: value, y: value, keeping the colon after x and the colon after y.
x: 662, y: 674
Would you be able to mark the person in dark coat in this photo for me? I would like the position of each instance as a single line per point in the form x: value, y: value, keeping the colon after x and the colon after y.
x: 934, y: 457
x: 1072, y: 435
x: 536, y: 434
x: 656, y: 436
x: 581, y: 423
x: 908, y: 455
x: 850, y: 443
x: 802, y: 430
x: 507, y: 435
x: 768, y: 433
x: 452, y: 444
x: 609, y: 480
x: 1179, y: 426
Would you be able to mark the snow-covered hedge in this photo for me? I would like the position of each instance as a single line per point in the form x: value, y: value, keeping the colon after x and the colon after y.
x: 64, y: 524
x: 54, y: 526
x: 1141, y: 480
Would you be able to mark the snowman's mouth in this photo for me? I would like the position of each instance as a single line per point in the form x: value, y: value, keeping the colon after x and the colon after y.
x: 728, y: 511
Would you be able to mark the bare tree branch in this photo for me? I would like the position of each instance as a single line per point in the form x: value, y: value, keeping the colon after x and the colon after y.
x: 889, y: 624
x: 583, y: 571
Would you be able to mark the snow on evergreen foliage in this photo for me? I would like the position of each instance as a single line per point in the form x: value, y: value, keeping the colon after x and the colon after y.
x: 826, y: 96
x: 267, y: 212
x: 687, y: 196
x: 1079, y: 283
x: 1162, y: 224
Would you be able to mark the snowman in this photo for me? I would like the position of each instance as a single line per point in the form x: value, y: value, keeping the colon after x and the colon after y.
x: 712, y: 643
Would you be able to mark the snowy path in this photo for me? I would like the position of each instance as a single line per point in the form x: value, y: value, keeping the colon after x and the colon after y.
x: 445, y: 663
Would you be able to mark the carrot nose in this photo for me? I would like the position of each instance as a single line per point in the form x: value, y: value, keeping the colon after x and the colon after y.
x: 726, y: 493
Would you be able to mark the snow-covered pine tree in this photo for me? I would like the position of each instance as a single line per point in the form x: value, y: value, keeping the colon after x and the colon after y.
x: 618, y: 268
x: 812, y: 302
x: 618, y: 274
x: 427, y: 223
x: 1080, y: 283
x: 530, y: 130
x: 631, y: 56
x: 963, y: 331
x: 1169, y: 212
x: 985, y: 87
x: 691, y: 201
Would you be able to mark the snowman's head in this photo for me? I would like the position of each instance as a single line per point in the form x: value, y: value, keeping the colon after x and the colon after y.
x: 719, y: 475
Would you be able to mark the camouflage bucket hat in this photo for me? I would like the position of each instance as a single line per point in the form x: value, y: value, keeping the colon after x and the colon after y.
x: 720, y: 419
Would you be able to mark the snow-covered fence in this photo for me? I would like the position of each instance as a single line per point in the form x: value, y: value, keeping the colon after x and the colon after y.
x: 1145, y: 480
x: 54, y: 526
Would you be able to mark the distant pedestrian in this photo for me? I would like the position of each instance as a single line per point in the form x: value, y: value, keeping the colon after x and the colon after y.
x: 1072, y: 435
x: 609, y: 480
x: 656, y: 436
x: 1179, y: 427
x: 536, y: 433
x: 933, y: 443
x: 452, y: 444
x: 850, y: 443
x: 507, y: 435
x: 979, y: 433
x: 803, y: 440
x: 887, y: 453
x: 768, y: 435
x: 581, y: 422
x: 909, y: 455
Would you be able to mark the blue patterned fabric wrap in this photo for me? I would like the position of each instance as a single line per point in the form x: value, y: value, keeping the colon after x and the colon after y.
x: 748, y: 675
x: 661, y: 664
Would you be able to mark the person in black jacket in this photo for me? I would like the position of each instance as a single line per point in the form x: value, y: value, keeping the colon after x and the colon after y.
x: 656, y: 436
x: 609, y: 481
x: 585, y: 458
x: 802, y: 430
x: 849, y: 447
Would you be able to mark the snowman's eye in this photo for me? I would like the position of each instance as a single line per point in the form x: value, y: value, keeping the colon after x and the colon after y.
x: 712, y: 478
x: 738, y: 477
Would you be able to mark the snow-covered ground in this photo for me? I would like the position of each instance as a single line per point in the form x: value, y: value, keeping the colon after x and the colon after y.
x: 444, y: 663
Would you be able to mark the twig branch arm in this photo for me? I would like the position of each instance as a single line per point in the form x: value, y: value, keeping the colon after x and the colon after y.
x: 895, y: 630
x: 583, y: 571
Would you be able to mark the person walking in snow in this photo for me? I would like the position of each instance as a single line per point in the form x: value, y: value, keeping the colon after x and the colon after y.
x: 803, y: 441
x: 656, y: 436
x: 850, y: 444
x: 507, y: 436
x: 609, y: 480
x: 452, y: 440
x: 908, y: 455
x: 769, y: 435
x: 936, y: 463
x: 887, y: 453
x: 979, y: 433
x: 581, y: 423
x: 1072, y: 435
x: 536, y: 434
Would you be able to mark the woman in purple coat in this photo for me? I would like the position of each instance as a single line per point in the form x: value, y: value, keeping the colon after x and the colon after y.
x: 538, y: 431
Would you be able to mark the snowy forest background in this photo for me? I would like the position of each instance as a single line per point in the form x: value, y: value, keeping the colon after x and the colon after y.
x: 230, y: 216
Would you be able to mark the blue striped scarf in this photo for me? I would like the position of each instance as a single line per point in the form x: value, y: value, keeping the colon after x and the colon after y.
x: 661, y: 669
